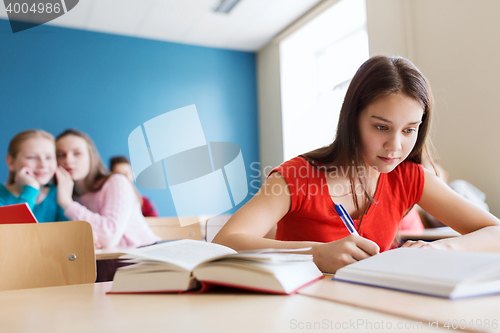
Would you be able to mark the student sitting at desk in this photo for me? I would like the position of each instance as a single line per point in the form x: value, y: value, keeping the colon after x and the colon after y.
x: 108, y: 202
x: 121, y: 165
x: 373, y: 169
x: 31, y: 159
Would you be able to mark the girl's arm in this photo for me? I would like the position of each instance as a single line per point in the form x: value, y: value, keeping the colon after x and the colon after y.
x: 246, y: 229
x: 28, y: 187
x: 481, y: 229
x: 118, y: 200
x: 29, y: 195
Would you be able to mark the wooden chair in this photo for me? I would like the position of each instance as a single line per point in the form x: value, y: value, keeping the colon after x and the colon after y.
x: 214, y: 224
x: 46, y: 254
x: 169, y: 228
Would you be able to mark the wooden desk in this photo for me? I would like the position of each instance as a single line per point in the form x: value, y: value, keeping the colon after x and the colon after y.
x: 111, y: 253
x: 411, y: 306
x: 86, y: 308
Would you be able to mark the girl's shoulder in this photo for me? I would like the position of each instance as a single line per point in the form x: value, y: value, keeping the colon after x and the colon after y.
x: 115, y: 180
x: 408, y: 169
x: 3, y: 189
x: 4, y: 194
x: 409, y: 177
x: 292, y: 165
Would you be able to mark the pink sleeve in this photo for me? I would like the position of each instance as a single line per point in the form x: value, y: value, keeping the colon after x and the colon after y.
x: 115, y: 202
x: 411, y: 221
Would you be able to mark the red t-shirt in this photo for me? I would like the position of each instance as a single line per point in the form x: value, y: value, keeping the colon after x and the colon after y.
x: 312, y: 215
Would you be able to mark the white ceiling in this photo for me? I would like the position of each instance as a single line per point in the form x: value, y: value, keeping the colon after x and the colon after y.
x: 249, y: 26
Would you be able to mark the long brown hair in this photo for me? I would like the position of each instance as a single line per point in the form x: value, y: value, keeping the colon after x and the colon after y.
x: 17, y: 141
x: 98, y: 173
x: 378, y: 76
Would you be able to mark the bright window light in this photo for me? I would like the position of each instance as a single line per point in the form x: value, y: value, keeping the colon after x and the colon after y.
x: 317, y: 64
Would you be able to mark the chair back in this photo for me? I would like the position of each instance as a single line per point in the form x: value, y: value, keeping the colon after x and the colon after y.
x: 35, y: 255
x: 169, y: 228
x: 214, y: 224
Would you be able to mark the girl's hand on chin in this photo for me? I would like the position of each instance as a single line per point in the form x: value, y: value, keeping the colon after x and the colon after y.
x: 65, y: 186
x: 25, y: 176
x: 334, y: 255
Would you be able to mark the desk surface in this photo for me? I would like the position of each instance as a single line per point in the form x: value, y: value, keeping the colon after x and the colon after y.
x: 86, y: 308
x: 482, y: 311
x: 111, y: 253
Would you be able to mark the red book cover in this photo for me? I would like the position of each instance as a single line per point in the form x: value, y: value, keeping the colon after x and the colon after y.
x: 19, y: 213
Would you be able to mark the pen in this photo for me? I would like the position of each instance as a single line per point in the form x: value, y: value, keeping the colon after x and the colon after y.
x: 348, y: 222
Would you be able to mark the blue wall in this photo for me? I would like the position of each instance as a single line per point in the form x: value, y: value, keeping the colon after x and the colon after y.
x: 106, y: 85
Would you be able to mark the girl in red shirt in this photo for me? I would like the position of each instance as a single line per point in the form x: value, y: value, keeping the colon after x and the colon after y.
x: 373, y: 168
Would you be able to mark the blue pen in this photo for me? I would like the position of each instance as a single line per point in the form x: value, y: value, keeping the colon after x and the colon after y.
x: 348, y: 222
x: 348, y: 216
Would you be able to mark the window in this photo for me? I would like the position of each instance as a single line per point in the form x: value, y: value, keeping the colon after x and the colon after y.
x: 317, y: 64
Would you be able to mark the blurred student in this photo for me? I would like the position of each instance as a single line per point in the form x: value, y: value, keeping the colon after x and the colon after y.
x: 121, y: 165
x: 31, y: 159
x: 88, y: 192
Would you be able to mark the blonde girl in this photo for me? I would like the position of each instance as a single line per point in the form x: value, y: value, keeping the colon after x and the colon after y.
x: 32, y: 164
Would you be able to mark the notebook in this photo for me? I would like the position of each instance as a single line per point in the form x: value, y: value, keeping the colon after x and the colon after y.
x: 448, y: 274
x: 18, y: 213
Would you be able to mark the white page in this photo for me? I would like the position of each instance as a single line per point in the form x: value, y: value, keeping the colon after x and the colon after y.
x: 427, y: 265
x: 273, y: 250
x: 269, y: 257
x: 184, y: 253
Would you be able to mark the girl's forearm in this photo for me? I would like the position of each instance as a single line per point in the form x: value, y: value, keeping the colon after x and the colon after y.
x: 243, y: 242
x: 486, y: 239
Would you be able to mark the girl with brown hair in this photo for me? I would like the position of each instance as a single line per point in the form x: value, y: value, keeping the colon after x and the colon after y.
x: 88, y: 192
x: 373, y: 169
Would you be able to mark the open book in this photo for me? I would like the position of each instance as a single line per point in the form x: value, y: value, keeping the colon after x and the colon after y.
x: 448, y: 274
x: 185, y: 265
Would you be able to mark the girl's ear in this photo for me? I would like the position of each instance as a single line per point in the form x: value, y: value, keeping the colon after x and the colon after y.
x: 10, y: 162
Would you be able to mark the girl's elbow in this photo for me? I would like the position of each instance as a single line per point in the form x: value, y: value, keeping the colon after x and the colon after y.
x: 226, y: 239
x: 109, y: 240
x: 219, y: 239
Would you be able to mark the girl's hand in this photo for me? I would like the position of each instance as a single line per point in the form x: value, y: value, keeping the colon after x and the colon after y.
x: 25, y: 176
x: 65, y: 186
x: 436, y: 245
x: 334, y: 255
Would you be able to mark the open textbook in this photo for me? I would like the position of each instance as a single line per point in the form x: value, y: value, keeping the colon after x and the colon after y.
x: 448, y: 274
x: 186, y: 265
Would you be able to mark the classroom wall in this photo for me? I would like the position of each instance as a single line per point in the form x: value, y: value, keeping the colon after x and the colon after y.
x: 455, y: 44
x: 106, y: 85
x: 270, y: 122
